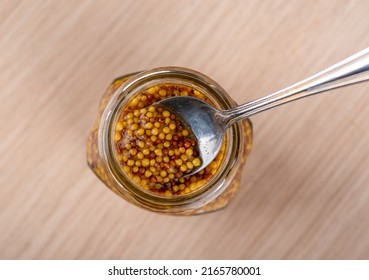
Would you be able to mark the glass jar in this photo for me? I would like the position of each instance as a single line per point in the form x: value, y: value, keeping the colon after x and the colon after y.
x: 221, y: 187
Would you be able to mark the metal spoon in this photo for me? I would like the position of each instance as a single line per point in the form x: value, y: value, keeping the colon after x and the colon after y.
x: 209, y: 124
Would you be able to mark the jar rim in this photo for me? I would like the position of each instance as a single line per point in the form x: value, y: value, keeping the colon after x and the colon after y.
x: 214, y: 91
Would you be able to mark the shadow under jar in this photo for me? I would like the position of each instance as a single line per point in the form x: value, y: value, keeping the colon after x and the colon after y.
x: 210, y: 189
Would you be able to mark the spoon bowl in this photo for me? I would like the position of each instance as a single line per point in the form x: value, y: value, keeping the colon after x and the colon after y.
x: 204, y: 121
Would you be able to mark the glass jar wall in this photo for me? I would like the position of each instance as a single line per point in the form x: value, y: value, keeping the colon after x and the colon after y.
x: 211, y: 191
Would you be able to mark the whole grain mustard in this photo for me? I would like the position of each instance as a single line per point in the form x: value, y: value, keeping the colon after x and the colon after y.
x: 155, y: 149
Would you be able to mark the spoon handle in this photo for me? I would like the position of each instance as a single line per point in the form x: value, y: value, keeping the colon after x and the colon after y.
x: 352, y: 70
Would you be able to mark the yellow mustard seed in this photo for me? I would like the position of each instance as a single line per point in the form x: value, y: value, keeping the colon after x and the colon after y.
x: 166, y: 130
x: 161, y: 136
x: 185, y: 132
x: 146, y: 152
x: 179, y: 162
x: 140, y: 132
x: 154, y: 131
x: 153, y: 138
x: 213, y: 165
x: 172, y: 126
x: 168, y: 137
x: 148, y: 173
x: 133, y: 151
x: 134, y: 126
x: 183, y: 157
x: 158, y: 152
x: 183, y: 168
x: 189, y: 152
x: 162, y: 92
x: 140, y: 155
x: 196, y: 162
x: 200, y: 183
x: 137, y: 163
x: 135, y: 101
x: 151, y: 90
x: 163, y: 173
x: 143, y: 110
x: 130, y: 162
x: 152, y: 109
x: 117, y: 136
x: 119, y: 126
x: 149, y: 125
x: 157, y: 124
x: 135, y: 169
x: 166, y: 114
x: 136, y: 113
x: 166, y: 144
x: 197, y: 93
x: 152, y: 162
x: 189, y: 165
x: 145, y: 162
x: 167, y: 120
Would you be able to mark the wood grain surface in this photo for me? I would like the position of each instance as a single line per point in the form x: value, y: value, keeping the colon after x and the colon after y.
x: 305, y: 188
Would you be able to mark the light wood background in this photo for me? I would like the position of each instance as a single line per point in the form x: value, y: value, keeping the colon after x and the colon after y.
x: 305, y: 190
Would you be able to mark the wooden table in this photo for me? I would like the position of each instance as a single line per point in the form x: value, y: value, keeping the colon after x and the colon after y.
x: 305, y: 188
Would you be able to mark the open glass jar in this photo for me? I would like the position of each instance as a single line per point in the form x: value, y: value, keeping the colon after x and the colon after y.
x: 216, y: 192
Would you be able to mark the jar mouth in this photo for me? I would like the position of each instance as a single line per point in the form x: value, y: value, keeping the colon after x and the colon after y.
x: 173, y: 75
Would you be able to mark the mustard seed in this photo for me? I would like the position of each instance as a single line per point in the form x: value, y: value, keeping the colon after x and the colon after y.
x: 196, y: 162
